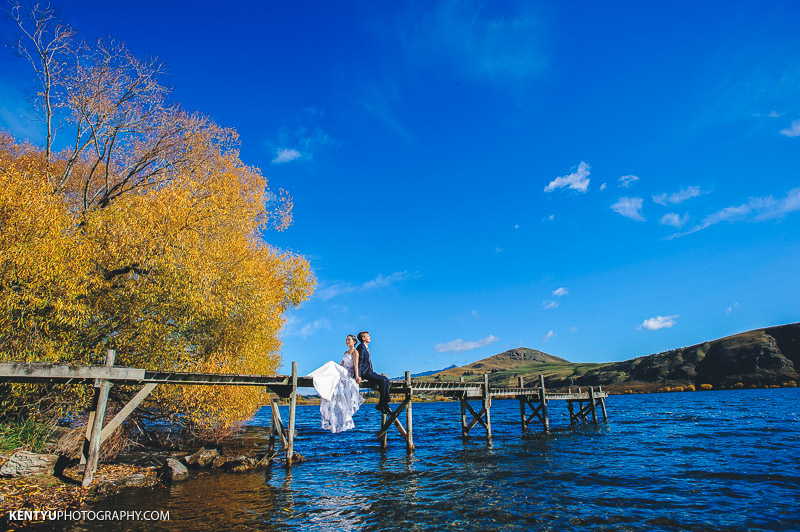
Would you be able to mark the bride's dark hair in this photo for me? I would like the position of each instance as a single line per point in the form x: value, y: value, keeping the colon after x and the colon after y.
x: 353, y: 336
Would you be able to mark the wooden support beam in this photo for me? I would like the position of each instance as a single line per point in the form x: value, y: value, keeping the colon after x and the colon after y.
x: 462, y: 401
x: 382, y: 436
x: 522, y: 415
x: 409, y: 419
x: 594, y: 406
x: 603, y: 405
x: 571, y: 414
x: 392, y: 418
x: 487, y: 406
x: 292, y: 407
x: 96, y: 426
x: 543, y: 393
x: 123, y: 414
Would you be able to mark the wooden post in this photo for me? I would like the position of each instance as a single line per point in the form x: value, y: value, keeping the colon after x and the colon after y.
x: 545, y: 419
x: 409, y: 421
x: 292, y: 405
x: 522, y: 407
x: 571, y: 413
x: 463, y: 416
x: 603, y: 404
x: 273, y: 427
x: 594, y: 407
x: 92, y: 452
x: 383, y: 439
x: 487, y: 404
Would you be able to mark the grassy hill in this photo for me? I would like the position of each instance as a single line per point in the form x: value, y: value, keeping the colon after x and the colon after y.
x: 754, y: 358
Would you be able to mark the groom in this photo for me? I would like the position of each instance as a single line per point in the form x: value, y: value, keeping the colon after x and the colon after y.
x: 366, y: 372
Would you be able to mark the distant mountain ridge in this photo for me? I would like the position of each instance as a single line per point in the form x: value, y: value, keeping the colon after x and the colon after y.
x: 759, y: 357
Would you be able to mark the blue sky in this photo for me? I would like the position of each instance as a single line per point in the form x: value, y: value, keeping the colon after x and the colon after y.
x: 595, y: 180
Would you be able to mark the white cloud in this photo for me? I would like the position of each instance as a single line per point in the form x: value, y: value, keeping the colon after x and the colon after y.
x: 498, y: 249
x: 460, y: 345
x: 578, y: 180
x: 475, y: 314
x: 284, y: 155
x: 755, y: 210
x: 679, y: 197
x: 550, y: 218
x: 674, y: 219
x: 659, y: 322
x: 774, y: 114
x: 731, y: 308
x: 331, y: 290
x: 294, y: 327
x: 574, y: 329
x: 561, y: 291
x: 549, y: 304
x: 516, y: 226
x: 627, y: 180
x: 629, y: 208
x: 550, y: 334
x: 603, y: 186
x: 793, y: 130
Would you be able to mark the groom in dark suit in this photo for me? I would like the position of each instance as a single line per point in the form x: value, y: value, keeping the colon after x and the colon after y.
x: 365, y: 371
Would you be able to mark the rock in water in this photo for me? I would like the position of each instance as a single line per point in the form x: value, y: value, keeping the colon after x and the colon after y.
x: 24, y: 463
x: 173, y: 471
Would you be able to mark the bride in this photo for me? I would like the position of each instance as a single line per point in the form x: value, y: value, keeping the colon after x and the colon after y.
x: 338, y: 389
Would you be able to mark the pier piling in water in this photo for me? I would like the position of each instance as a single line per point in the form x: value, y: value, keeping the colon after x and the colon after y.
x: 285, y: 387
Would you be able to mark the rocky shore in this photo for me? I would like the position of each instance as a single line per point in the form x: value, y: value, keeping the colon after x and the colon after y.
x: 48, y: 482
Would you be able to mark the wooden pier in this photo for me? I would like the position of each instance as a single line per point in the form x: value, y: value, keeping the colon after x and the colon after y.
x: 533, y: 400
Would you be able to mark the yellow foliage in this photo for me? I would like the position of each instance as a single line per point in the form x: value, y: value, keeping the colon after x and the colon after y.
x: 706, y: 387
x: 690, y: 388
x: 174, y: 277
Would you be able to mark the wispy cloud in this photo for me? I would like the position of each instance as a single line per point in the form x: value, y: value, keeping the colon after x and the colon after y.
x: 550, y: 334
x: 755, y: 210
x: 376, y: 103
x: 680, y: 196
x: 629, y: 208
x: 549, y: 304
x: 603, y: 186
x: 459, y: 345
x: 481, y: 43
x: 294, y: 327
x: 627, y: 180
x: 774, y: 114
x: 331, y: 290
x: 285, y: 155
x: 475, y: 314
x: 561, y: 291
x: 578, y: 180
x: 674, y: 219
x: 659, y: 322
x: 302, y: 141
x: 731, y: 308
x: 793, y: 130
x: 16, y: 116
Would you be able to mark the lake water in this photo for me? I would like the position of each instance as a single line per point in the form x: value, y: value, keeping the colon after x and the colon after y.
x: 725, y: 460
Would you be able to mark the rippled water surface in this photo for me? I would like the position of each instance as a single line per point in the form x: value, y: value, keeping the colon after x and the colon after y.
x: 724, y: 460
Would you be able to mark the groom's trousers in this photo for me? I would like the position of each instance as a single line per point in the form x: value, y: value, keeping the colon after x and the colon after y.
x: 383, y: 385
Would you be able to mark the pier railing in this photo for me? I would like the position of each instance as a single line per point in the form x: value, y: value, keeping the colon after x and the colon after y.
x: 533, y: 399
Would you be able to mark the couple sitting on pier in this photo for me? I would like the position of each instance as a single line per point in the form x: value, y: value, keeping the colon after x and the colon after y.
x: 338, y: 385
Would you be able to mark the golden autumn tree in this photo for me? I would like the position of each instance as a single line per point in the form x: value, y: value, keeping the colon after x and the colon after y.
x: 142, y: 235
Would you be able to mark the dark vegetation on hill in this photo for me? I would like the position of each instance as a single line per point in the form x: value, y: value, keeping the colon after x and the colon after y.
x: 761, y: 357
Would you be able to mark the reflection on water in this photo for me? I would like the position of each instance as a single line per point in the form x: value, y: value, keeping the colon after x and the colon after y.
x: 693, y: 461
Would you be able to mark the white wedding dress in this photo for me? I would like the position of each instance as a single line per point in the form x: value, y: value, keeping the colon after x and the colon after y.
x: 338, y: 391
